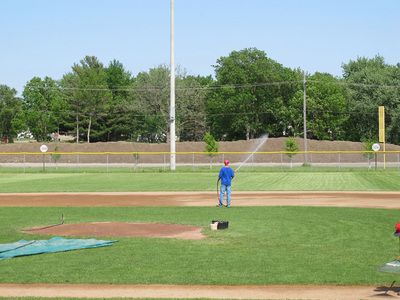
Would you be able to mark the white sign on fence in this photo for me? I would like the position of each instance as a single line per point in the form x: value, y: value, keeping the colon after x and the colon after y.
x: 44, y: 148
x: 376, y: 147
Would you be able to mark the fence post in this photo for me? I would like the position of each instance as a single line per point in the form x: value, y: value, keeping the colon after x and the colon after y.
x: 339, y: 161
x: 44, y: 163
x: 107, y: 162
x: 192, y: 161
x: 164, y: 162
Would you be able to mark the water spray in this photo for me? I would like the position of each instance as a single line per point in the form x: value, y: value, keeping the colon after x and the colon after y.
x: 262, y: 141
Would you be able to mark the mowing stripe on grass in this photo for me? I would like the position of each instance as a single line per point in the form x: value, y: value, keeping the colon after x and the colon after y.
x: 201, y: 181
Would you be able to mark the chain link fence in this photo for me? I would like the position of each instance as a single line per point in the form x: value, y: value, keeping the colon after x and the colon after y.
x: 136, y: 161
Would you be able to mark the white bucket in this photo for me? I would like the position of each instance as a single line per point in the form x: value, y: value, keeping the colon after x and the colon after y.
x: 214, y: 226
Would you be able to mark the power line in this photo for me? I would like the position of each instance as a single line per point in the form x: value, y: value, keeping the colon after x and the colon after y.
x: 132, y: 113
x: 373, y: 85
x: 209, y: 87
x: 157, y: 88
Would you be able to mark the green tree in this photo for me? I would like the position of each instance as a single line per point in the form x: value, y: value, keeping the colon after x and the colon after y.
x: 75, y: 105
x: 151, y: 104
x: 250, y: 96
x: 191, y: 98
x: 44, y: 107
x: 291, y: 147
x: 327, y: 108
x: 120, y: 120
x: 211, y: 146
x: 371, y: 83
x: 10, y: 107
x: 88, y: 95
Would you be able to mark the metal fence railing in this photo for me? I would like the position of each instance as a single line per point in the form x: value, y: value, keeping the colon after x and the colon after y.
x: 138, y: 160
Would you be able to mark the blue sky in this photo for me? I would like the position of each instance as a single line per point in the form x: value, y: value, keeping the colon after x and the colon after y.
x: 46, y: 37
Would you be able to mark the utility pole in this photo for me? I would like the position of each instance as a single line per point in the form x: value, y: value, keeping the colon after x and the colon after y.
x: 172, y: 94
x: 305, y: 118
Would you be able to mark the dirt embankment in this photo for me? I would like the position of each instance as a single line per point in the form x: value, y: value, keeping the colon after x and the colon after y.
x: 14, y: 153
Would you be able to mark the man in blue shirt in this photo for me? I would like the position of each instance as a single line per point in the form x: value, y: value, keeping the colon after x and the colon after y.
x: 225, y: 175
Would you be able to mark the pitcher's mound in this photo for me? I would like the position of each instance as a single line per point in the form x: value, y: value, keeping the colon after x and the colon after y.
x: 120, y: 229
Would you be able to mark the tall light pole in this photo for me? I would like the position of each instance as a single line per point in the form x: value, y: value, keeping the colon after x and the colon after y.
x: 305, y: 118
x: 172, y: 95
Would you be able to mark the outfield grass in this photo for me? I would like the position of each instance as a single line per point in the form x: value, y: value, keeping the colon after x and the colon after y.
x: 263, y: 245
x: 274, y: 180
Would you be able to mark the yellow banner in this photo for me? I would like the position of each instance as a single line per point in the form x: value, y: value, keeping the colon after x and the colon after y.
x: 381, y: 124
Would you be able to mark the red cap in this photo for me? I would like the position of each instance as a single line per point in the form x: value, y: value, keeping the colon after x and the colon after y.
x: 226, y: 162
x: 397, y: 227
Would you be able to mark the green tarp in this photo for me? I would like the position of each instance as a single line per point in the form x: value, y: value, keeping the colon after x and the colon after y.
x: 55, y: 244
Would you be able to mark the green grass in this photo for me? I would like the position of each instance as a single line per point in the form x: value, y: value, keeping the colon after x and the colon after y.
x: 201, y: 181
x: 263, y: 245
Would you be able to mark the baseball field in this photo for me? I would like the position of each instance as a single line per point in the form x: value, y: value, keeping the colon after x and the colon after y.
x: 299, y: 234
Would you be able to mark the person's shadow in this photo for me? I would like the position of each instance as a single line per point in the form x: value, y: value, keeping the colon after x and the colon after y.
x: 384, y: 290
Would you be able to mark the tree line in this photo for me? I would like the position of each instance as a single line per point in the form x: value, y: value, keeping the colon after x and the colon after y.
x: 249, y: 95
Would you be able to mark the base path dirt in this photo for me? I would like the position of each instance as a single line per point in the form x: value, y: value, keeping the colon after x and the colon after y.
x: 197, y: 291
x: 390, y: 200
x: 338, y: 199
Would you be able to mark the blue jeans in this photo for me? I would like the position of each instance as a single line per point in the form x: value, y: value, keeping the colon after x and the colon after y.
x: 227, y: 189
